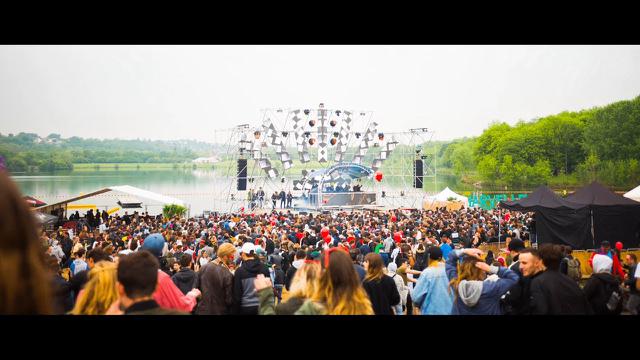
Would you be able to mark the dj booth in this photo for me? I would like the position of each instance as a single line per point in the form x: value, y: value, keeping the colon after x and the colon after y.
x: 343, y: 199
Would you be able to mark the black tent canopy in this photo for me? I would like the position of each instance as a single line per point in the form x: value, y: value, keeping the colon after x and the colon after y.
x: 614, y: 217
x: 558, y: 221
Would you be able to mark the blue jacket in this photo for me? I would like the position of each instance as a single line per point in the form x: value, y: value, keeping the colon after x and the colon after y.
x: 479, y: 297
x: 432, y: 292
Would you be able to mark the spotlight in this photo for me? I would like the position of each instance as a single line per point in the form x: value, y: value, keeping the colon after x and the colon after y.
x: 306, y: 111
x: 333, y: 123
x: 312, y: 123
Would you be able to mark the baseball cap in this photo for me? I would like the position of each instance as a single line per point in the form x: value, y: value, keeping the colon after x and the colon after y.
x: 516, y: 244
x: 154, y: 244
x: 248, y: 247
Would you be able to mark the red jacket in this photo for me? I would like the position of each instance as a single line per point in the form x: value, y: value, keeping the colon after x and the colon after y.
x: 168, y: 296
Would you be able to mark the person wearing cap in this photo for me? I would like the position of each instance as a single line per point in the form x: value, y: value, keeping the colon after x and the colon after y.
x: 167, y: 294
x: 515, y: 246
x: 605, y: 249
x: 215, y: 280
x: 245, y: 298
x: 432, y: 294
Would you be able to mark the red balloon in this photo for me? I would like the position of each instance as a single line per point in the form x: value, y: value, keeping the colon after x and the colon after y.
x: 394, y: 218
x: 378, y: 176
x: 397, y: 236
x: 324, y: 232
x: 327, y: 238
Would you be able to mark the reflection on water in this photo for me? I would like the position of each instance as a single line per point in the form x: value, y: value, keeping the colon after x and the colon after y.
x: 201, y: 189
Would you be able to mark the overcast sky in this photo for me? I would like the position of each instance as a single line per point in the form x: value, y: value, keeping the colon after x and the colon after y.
x: 174, y: 92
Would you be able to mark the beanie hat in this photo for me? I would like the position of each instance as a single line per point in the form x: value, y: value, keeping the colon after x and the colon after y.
x: 154, y: 244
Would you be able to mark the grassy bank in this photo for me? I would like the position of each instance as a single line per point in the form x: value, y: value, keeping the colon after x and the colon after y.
x: 139, y: 166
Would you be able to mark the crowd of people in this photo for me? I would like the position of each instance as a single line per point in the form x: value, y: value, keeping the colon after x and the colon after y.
x: 396, y: 262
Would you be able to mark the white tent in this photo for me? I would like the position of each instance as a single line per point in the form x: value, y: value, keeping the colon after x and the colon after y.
x: 633, y: 194
x: 130, y: 192
x: 446, y: 194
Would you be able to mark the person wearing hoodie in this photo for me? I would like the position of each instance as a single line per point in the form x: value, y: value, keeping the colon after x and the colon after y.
x: 605, y: 249
x: 402, y: 290
x: 295, y: 265
x: 185, y: 278
x: 432, y: 293
x: 245, y: 297
x: 474, y: 295
x: 600, y: 287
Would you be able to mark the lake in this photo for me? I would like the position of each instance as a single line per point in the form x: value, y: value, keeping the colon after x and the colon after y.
x: 201, y: 189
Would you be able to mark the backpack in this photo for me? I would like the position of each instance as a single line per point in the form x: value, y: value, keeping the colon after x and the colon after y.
x: 615, y: 298
x: 573, y: 269
x: 614, y: 301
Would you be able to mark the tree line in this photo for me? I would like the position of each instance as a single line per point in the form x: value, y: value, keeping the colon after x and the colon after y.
x: 28, y: 152
x: 570, y: 148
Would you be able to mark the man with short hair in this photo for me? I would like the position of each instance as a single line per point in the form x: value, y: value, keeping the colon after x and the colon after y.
x: 185, y: 278
x: 633, y: 304
x: 246, y: 301
x: 553, y: 293
x: 137, y: 281
x: 432, y: 293
x: 78, y: 264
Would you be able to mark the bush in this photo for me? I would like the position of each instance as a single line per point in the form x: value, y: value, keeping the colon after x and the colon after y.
x: 172, y: 210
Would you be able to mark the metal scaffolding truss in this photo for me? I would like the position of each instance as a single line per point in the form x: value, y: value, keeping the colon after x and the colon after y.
x: 289, y: 140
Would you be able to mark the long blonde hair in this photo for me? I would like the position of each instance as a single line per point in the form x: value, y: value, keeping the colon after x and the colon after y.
x: 305, y: 282
x: 100, y: 291
x: 339, y: 290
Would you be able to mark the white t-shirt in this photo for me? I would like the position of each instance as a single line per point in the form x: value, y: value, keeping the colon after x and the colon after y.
x: 637, y: 274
